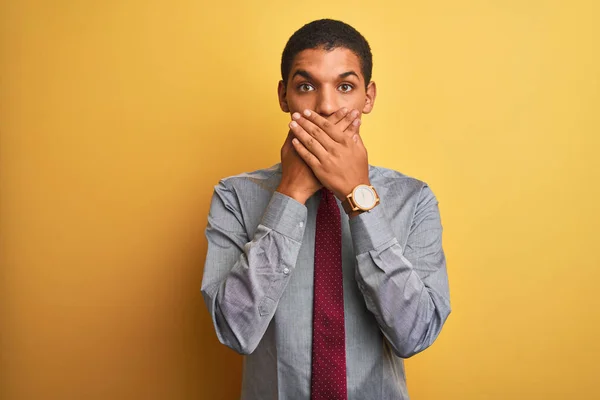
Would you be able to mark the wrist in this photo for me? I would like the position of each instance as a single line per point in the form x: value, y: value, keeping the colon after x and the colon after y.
x: 299, y: 196
x: 353, y: 214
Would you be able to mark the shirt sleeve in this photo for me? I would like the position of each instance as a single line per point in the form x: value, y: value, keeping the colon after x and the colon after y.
x: 244, y: 277
x: 405, y: 288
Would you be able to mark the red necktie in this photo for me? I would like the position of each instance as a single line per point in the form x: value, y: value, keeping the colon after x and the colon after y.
x: 328, y: 379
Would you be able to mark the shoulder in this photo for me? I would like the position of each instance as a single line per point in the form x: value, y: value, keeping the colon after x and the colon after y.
x: 385, y: 179
x: 400, y: 191
x: 247, y: 194
x: 266, y: 179
x: 405, y: 199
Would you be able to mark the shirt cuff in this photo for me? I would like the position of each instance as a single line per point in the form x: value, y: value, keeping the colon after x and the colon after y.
x: 286, y: 216
x: 370, y: 230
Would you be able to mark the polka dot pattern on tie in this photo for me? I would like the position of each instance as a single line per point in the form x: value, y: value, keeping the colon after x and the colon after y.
x: 328, y: 378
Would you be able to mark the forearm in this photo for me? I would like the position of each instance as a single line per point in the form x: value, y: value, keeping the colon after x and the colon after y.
x: 242, y: 299
x: 410, y: 304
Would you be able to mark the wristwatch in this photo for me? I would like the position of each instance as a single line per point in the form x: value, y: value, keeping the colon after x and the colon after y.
x: 363, y: 198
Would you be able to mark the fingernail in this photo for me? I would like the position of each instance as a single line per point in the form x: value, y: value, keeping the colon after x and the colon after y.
x: 356, y: 122
x: 295, y: 141
x: 355, y: 138
x: 354, y: 113
x: 293, y: 124
x: 296, y: 115
x: 344, y: 110
x: 307, y: 113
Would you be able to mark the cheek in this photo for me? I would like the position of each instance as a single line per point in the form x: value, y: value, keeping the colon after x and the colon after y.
x: 353, y: 102
x: 355, y: 99
x: 309, y: 101
x: 301, y: 103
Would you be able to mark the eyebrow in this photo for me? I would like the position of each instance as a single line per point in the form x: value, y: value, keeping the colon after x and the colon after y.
x: 308, y: 76
x: 347, y: 74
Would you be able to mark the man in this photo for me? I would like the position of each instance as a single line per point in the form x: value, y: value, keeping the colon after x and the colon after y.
x: 323, y: 270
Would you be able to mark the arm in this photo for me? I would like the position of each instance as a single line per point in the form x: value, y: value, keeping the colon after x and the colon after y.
x: 406, y: 289
x: 244, y: 278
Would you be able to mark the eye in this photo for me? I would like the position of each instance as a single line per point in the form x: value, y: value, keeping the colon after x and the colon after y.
x: 345, y: 87
x: 305, y: 87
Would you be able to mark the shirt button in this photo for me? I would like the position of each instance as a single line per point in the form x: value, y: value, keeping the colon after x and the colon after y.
x: 286, y: 271
x: 301, y: 224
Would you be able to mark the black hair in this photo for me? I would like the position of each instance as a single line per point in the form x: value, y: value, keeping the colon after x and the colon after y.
x: 328, y: 34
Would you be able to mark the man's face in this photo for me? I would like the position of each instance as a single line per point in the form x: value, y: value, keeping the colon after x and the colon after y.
x: 325, y: 81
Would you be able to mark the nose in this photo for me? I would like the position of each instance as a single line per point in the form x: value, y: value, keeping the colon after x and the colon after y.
x: 326, y: 102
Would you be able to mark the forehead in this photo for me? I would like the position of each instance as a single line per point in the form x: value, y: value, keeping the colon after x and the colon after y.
x: 325, y: 65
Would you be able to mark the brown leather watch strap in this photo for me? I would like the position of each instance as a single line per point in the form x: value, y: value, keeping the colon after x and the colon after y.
x: 349, y: 210
x: 347, y: 206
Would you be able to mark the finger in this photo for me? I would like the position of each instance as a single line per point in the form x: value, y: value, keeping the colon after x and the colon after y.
x: 347, y: 121
x: 313, y: 130
x: 339, y: 115
x: 309, y: 158
x: 358, y: 140
x: 353, y: 128
x: 308, y: 141
x: 326, y: 126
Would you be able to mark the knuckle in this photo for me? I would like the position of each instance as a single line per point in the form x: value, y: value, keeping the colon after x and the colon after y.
x: 326, y: 125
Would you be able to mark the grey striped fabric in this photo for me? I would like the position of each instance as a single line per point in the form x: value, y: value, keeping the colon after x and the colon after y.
x: 258, y: 283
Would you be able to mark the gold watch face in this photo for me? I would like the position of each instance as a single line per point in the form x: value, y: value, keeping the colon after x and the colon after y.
x: 364, y: 197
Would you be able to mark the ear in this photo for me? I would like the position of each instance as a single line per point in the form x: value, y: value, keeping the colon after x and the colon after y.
x: 370, y: 95
x: 282, y: 94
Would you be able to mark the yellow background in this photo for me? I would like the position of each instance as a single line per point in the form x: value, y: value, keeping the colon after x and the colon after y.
x: 118, y: 117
